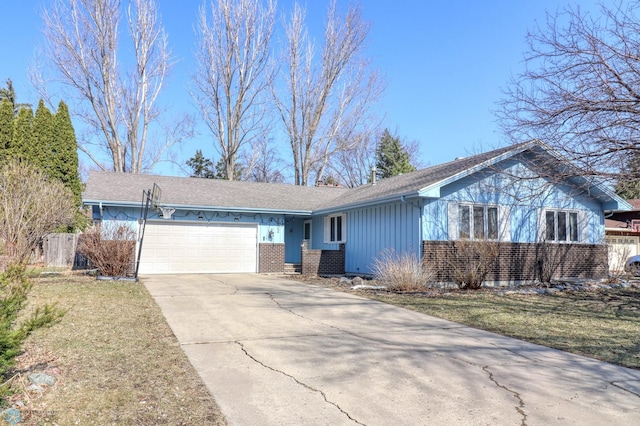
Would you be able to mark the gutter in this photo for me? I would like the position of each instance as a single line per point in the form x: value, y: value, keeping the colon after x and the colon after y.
x: 403, y: 199
x: 204, y: 208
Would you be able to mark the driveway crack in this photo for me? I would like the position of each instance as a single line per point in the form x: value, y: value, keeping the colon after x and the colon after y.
x: 520, y: 407
x: 619, y: 385
x: 298, y: 382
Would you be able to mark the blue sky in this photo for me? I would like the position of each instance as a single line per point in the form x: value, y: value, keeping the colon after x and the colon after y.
x: 445, y: 62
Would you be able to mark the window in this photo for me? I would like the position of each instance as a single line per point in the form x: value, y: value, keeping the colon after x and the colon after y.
x: 307, y: 232
x: 335, y: 229
x: 478, y: 222
x: 561, y: 226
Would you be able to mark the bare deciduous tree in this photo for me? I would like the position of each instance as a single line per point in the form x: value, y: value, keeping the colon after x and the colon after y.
x: 234, y: 72
x: 353, y: 163
x: 31, y: 206
x: 262, y: 164
x: 118, y: 102
x: 580, y: 91
x: 325, y: 99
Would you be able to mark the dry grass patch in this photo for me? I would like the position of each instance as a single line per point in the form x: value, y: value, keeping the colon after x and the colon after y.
x: 119, y: 361
x: 602, y: 325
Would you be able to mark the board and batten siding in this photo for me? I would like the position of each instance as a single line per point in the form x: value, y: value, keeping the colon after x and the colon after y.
x: 523, y: 202
x: 372, y: 230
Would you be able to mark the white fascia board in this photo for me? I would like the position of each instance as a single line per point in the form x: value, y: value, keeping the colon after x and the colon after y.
x: 433, y: 190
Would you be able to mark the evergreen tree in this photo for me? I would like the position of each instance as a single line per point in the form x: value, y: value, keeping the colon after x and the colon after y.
x: 21, y: 133
x: 221, y: 170
x: 9, y: 93
x: 6, y: 129
x: 201, y: 167
x: 629, y: 188
x: 39, y: 151
x: 391, y: 157
x: 64, y: 158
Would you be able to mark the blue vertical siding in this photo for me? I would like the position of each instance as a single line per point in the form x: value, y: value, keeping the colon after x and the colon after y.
x: 524, y: 199
x: 371, y: 230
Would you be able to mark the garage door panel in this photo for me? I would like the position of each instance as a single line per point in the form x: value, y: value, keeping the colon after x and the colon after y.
x: 174, y: 247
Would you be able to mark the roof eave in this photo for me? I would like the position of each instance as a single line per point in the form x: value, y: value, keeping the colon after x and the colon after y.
x: 298, y: 212
x: 367, y: 203
x: 433, y: 190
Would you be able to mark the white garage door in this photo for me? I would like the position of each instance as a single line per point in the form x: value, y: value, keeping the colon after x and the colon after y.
x: 172, y: 247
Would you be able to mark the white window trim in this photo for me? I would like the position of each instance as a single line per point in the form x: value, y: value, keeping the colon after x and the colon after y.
x: 327, y: 228
x: 454, y: 221
x: 304, y: 225
x: 580, y: 222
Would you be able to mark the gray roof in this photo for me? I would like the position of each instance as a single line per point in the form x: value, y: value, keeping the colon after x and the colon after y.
x: 126, y: 188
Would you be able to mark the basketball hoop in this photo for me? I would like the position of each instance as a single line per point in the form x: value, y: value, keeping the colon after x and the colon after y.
x: 156, y: 193
x: 166, y: 212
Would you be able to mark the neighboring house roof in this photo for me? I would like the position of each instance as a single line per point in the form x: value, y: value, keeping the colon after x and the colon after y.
x: 621, y: 220
x: 125, y: 188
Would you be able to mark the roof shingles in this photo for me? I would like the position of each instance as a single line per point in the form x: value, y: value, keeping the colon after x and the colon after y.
x: 196, y: 192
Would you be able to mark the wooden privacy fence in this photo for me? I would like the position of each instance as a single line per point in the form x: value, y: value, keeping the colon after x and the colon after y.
x: 59, y: 250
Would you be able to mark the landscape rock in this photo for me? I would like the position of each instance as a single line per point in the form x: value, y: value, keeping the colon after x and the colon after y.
x: 357, y: 281
x: 41, y: 379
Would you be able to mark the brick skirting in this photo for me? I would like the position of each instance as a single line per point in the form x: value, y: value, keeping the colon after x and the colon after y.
x: 526, y: 262
x: 322, y: 262
x: 271, y: 258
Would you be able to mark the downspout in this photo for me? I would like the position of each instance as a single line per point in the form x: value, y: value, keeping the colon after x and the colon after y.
x: 403, y: 199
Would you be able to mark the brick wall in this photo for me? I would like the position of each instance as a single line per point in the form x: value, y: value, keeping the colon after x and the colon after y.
x: 526, y: 262
x: 271, y: 258
x: 322, y: 262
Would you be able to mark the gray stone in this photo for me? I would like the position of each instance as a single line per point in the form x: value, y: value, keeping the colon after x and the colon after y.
x: 41, y: 379
x: 345, y: 280
x: 35, y: 388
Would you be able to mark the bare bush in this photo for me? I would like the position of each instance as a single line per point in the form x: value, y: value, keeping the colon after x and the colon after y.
x: 472, y: 261
x: 31, y: 206
x: 401, y: 271
x: 110, y: 248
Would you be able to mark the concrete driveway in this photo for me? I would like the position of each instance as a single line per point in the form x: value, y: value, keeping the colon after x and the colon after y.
x: 278, y: 352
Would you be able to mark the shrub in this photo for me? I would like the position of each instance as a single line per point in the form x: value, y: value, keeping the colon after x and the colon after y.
x: 31, y: 206
x: 401, y: 271
x: 110, y: 248
x: 471, y: 262
x: 14, y: 288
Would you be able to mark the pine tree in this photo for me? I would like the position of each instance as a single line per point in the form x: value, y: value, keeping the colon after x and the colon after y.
x: 6, y: 129
x: 21, y: 133
x: 629, y: 188
x: 9, y: 94
x: 201, y: 167
x: 39, y: 150
x: 391, y: 157
x: 221, y: 170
